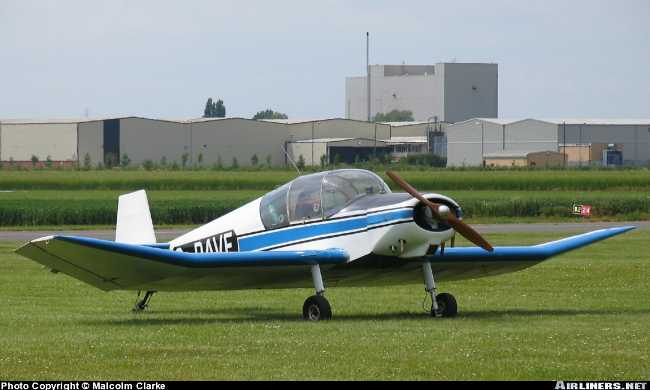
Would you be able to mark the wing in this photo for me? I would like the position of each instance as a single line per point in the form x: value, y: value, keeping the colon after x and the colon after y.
x: 110, y: 265
x: 472, y: 262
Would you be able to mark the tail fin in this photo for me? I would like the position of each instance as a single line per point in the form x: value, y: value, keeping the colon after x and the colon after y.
x: 134, y: 225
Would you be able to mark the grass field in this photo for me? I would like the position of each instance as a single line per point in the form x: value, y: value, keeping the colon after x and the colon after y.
x: 584, y: 315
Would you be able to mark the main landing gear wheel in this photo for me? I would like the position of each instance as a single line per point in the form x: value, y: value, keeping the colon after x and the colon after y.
x: 442, y: 305
x: 316, y: 308
x: 447, y: 306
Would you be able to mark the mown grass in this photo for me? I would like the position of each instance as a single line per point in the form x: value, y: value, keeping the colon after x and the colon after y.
x: 433, y: 179
x: 99, y: 207
x: 584, y: 315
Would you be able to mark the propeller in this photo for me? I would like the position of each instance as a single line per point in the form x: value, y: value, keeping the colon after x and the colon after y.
x: 442, y: 213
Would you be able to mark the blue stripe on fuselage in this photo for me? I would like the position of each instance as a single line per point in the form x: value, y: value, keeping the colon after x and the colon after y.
x: 325, y: 228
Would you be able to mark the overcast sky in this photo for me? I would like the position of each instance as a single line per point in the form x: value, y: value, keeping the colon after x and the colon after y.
x: 165, y: 58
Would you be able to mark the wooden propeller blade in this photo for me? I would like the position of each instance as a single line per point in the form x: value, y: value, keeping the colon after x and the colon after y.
x: 414, y: 193
x: 459, y: 226
x: 466, y: 231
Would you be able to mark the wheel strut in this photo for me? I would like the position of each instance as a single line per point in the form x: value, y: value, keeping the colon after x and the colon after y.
x: 430, y: 287
x: 442, y: 305
x: 142, y: 304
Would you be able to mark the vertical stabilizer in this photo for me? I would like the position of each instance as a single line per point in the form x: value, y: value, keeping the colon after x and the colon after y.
x: 134, y: 225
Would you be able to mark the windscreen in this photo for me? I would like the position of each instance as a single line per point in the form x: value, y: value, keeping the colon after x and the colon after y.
x: 317, y: 196
x: 305, y: 198
x: 341, y: 188
x: 273, y: 208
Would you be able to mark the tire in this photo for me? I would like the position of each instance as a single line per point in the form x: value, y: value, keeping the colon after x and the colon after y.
x: 447, y: 306
x: 316, y: 308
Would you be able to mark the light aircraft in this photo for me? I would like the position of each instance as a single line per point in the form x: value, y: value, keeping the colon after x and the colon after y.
x: 344, y: 224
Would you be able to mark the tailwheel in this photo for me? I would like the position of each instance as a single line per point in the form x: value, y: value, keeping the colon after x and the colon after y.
x: 316, y: 308
x: 447, y: 306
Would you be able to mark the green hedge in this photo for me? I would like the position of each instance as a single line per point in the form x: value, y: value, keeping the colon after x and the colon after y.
x: 188, y: 211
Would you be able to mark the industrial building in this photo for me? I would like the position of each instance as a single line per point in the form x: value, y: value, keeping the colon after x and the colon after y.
x: 204, y: 141
x: 583, y: 142
x: 449, y: 92
x: 546, y: 159
x: 316, y: 152
x: 209, y: 141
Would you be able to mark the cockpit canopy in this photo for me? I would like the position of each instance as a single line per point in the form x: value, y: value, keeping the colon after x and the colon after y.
x: 318, y: 196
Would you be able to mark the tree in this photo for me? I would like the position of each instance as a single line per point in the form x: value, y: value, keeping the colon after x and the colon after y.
x: 34, y: 160
x: 184, y: 158
x: 87, y: 161
x: 394, y: 116
x: 214, y: 109
x: 148, y: 165
x: 111, y: 160
x: 125, y: 160
x: 270, y: 114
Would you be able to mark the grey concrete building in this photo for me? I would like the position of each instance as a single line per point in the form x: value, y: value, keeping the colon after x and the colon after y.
x: 468, y: 142
x: 452, y: 92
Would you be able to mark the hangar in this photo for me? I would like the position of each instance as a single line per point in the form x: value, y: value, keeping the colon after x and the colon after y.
x: 315, y: 152
x: 583, y: 141
x: 337, y: 150
x: 21, y: 140
x: 202, y: 141
x: 208, y: 141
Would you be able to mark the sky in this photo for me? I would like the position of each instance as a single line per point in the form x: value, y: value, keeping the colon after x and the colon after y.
x: 163, y: 59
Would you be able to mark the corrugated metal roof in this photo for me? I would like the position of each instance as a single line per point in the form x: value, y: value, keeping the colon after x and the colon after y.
x: 498, y: 121
x: 320, y: 140
x: 600, y: 121
x: 294, y: 121
x: 568, y: 121
x: 406, y: 140
x: 410, y: 123
x: 46, y: 121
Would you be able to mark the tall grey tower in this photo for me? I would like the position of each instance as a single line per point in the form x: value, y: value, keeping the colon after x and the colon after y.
x: 452, y: 92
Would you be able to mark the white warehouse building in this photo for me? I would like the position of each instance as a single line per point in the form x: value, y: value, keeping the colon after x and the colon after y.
x: 449, y: 92
x: 582, y: 140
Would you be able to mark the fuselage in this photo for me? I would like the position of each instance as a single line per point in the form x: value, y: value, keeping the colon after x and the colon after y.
x: 374, y: 222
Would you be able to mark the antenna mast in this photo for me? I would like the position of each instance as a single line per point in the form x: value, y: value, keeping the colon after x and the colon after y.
x: 368, y: 71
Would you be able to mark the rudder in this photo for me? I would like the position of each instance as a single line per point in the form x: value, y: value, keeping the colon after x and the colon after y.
x: 134, y: 224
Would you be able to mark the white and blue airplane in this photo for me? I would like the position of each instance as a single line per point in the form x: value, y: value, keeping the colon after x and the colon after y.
x: 344, y: 224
